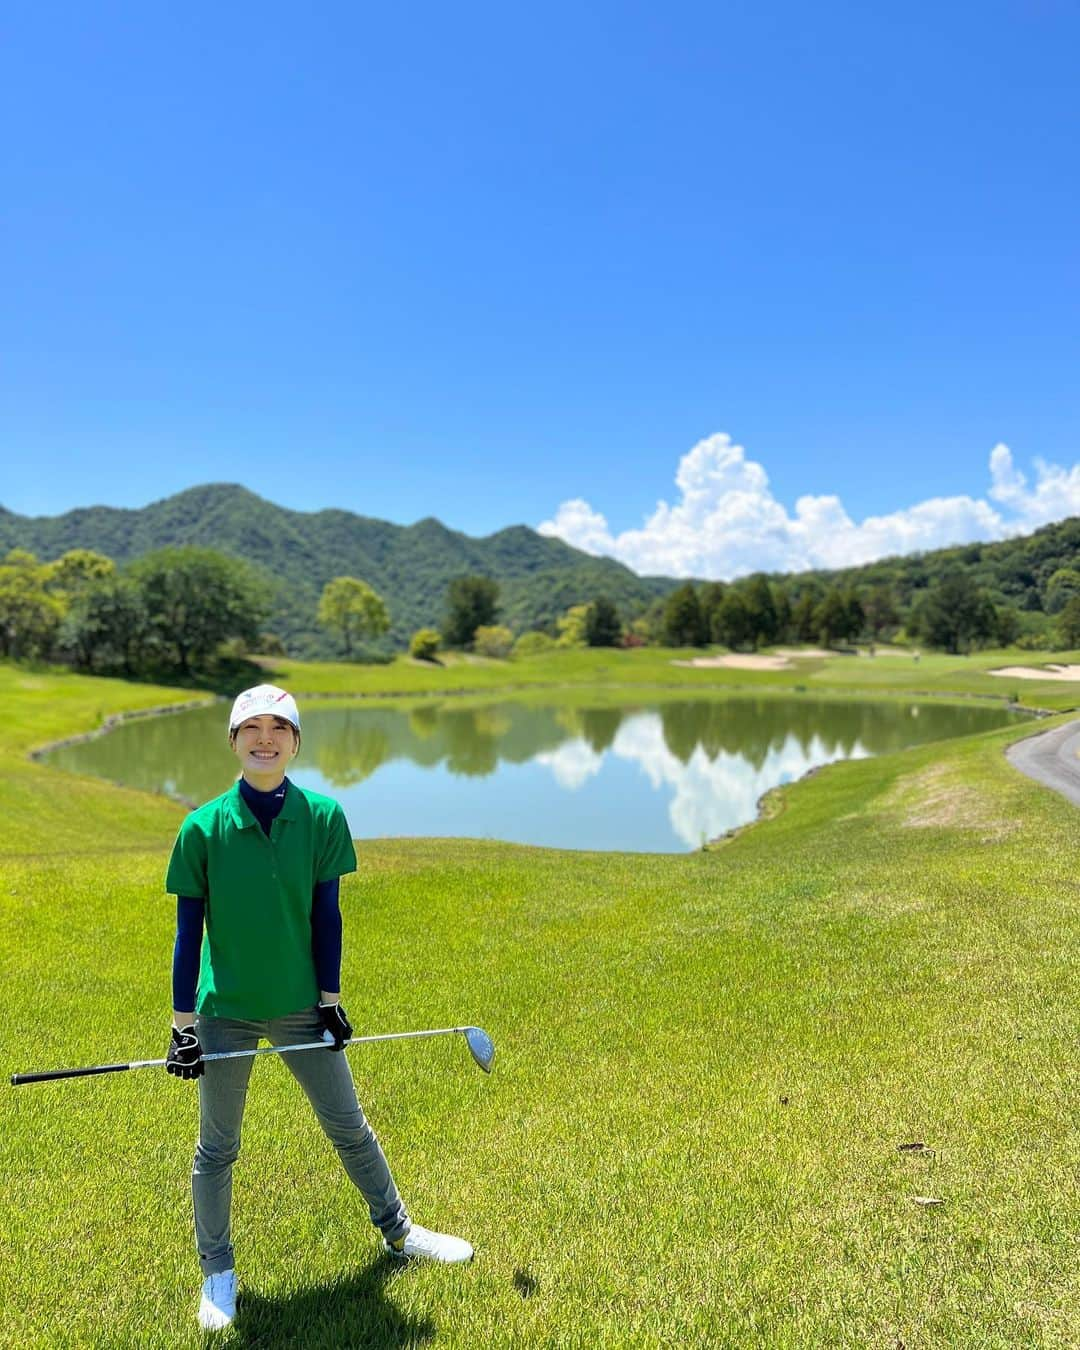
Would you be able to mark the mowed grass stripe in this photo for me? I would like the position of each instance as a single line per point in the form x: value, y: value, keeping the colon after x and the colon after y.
x: 706, y: 1064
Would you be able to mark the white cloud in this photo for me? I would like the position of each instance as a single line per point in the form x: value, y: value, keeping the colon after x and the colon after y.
x: 727, y: 523
x: 581, y: 526
x: 1056, y: 493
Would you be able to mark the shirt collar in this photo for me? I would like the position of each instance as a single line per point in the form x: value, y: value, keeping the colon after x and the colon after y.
x: 242, y: 814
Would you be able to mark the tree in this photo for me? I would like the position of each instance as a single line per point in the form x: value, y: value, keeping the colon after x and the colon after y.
x: 831, y: 618
x: 954, y: 614
x: 854, y: 615
x: 783, y: 614
x: 493, y: 640
x: 639, y: 634
x: 804, y: 617
x: 29, y: 615
x: 471, y: 602
x: 684, y: 623
x: 424, y: 645
x: 761, y: 609
x: 1069, y: 624
x: 350, y: 608
x: 879, y: 608
x: 650, y: 624
x: 603, y: 627
x: 734, y: 626
x: 107, y: 627
x: 195, y: 599
x: 571, y: 626
x: 1062, y: 586
x: 71, y: 578
x: 711, y: 598
x: 1006, y: 625
x: 532, y: 644
x: 76, y: 569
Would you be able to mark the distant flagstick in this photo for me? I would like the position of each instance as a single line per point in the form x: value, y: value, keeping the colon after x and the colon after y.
x: 479, y: 1042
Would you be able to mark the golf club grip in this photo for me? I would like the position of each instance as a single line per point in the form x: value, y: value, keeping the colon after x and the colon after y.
x: 19, y: 1078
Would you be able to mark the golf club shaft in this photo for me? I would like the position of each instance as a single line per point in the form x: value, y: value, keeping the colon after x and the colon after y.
x: 17, y: 1079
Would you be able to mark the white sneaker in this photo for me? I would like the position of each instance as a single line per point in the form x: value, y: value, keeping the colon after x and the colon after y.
x: 422, y: 1242
x: 217, y: 1307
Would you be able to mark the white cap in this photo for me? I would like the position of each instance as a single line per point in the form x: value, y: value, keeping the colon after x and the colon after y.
x: 262, y: 700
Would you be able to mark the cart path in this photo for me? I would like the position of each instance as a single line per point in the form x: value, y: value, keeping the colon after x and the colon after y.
x: 1051, y: 759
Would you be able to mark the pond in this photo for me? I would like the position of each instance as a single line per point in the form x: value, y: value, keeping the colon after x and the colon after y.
x: 649, y: 776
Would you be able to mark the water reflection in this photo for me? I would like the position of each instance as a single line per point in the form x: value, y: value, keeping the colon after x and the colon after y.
x: 655, y: 776
x: 709, y: 790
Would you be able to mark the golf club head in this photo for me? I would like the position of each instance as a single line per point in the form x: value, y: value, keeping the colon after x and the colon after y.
x: 481, y: 1047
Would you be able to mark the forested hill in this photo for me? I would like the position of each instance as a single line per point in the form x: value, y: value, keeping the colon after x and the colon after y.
x: 409, y: 565
x: 539, y: 578
x: 1034, y: 573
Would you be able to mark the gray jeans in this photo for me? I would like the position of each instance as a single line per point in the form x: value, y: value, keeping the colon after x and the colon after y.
x: 326, y: 1080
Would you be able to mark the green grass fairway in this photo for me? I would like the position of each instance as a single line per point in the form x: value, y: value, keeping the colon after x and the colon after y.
x: 599, y: 667
x: 707, y: 1063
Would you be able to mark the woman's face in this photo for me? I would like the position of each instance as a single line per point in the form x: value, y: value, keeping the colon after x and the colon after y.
x: 264, y: 746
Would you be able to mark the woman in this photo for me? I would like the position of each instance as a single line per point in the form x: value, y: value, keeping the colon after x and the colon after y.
x: 258, y: 935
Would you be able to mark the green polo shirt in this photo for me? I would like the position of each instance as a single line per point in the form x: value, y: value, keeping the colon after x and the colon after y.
x: 256, y: 955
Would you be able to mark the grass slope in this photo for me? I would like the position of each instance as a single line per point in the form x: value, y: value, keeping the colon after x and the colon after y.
x: 706, y: 1065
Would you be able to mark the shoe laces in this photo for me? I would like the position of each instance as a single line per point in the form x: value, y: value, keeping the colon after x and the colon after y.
x: 425, y: 1240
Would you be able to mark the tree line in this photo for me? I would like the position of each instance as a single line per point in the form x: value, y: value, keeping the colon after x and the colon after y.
x: 953, y: 613
x: 180, y: 611
x: 173, y: 612
x: 169, y: 611
x: 540, y: 578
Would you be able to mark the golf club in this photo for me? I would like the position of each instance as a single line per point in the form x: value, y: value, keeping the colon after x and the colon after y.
x: 479, y: 1042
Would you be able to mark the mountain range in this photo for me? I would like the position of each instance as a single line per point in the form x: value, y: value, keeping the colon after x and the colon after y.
x: 410, y: 566
x: 539, y: 577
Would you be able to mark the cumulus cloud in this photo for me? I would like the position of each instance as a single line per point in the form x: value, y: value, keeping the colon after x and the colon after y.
x: 1056, y: 493
x: 727, y: 523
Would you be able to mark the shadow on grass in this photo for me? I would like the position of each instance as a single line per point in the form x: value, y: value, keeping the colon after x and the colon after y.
x: 351, y: 1311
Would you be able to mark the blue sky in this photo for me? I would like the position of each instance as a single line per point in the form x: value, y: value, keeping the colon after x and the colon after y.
x: 503, y: 263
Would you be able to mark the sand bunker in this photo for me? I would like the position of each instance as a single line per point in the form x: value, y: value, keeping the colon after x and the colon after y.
x: 1050, y: 672
x: 735, y: 662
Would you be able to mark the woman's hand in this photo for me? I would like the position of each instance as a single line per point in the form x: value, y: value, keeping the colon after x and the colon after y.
x: 184, y: 1059
x: 336, y: 1023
